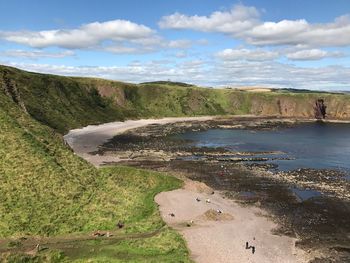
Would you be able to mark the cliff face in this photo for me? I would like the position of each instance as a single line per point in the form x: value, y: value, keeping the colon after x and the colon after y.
x: 64, y: 103
x: 10, y: 89
x: 338, y: 106
x: 300, y: 105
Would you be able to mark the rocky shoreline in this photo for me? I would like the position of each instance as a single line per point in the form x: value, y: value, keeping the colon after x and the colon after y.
x: 308, y: 204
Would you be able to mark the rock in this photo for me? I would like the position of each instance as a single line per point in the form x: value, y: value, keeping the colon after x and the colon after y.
x: 120, y: 224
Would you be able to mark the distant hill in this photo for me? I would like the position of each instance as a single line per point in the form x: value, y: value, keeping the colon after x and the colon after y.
x: 308, y: 91
x: 170, y: 83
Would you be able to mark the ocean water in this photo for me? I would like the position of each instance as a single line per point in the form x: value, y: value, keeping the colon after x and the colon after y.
x: 311, y: 145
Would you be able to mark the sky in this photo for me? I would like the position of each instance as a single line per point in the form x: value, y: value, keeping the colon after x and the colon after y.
x: 273, y: 43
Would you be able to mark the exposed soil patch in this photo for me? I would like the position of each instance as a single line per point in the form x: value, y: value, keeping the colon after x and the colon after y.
x: 69, y: 244
x: 215, y: 215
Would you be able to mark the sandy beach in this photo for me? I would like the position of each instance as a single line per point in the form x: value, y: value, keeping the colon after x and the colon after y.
x: 218, y: 231
x: 86, y: 140
x: 215, y: 231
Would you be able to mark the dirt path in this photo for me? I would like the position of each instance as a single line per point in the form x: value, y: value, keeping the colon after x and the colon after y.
x: 221, y: 237
x: 29, y: 244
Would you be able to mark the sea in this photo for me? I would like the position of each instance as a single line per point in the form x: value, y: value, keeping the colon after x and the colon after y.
x: 318, y: 145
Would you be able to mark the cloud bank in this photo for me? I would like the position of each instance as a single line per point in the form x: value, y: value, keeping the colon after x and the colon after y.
x: 36, y: 54
x: 243, y: 22
x: 270, y: 53
x: 86, y: 36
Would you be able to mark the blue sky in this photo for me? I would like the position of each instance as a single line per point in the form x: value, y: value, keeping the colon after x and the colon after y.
x: 287, y: 44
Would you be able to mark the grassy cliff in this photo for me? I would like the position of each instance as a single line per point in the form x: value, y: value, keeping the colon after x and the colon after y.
x: 64, y: 103
x: 47, y: 191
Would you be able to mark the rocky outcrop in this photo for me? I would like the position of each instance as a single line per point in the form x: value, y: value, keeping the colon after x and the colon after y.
x: 9, y: 87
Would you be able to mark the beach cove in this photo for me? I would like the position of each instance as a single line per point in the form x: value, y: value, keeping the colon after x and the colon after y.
x: 251, y: 218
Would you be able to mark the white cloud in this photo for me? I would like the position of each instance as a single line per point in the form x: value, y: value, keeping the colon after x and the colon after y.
x: 276, y: 33
x: 236, y: 20
x: 181, y: 44
x: 151, y: 41
x: 116, y: 36
x: 134, y: 72
x: 300, y: 32
x: 132, y: 49
x: 279, y: 75
x: 312, y: 54
x: 86, y: 36
x: 247, y: 54
x: 181, y: 54
x: 243, y: 22
x: 35, y: 54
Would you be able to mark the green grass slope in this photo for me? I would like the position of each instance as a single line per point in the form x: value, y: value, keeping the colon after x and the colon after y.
x: 59, y: 102
x: 46, y: 190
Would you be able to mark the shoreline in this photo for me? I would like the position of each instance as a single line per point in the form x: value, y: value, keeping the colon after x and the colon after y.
x: 87, y: 139
x: 207, y: 239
